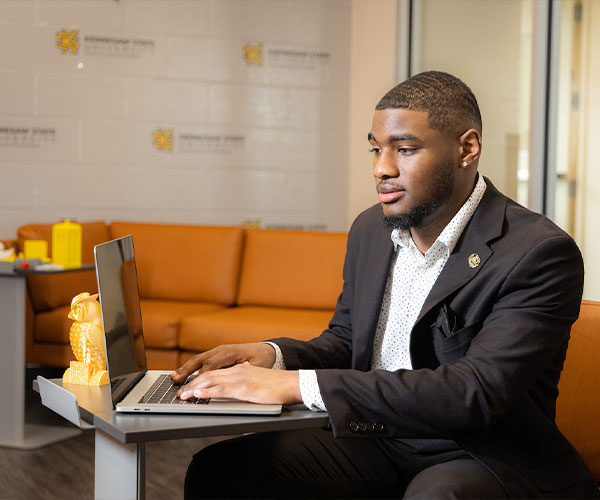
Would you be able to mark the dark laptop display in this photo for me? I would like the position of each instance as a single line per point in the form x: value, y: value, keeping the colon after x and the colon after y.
x: 121, y: 316
x: 133, y: 388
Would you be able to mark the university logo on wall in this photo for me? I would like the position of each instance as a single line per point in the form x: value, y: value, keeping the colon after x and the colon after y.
x: 253, y: 54
x: 68, y: 41
x: 251, y: 224
x: 285, y: 56
x: 163, y: 140
x: 190, y: 142
x: 71, y: 41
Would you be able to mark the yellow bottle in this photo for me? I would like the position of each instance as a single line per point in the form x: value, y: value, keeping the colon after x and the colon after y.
x: 66, y: 244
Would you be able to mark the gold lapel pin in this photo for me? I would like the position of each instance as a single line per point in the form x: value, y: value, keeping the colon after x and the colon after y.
x: 474, y: 260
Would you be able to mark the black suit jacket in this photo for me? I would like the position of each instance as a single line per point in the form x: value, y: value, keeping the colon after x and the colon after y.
x: 487, y: 348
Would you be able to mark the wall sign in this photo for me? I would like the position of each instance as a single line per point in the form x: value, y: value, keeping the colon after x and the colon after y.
x: 68, y: 42
x: 26, y: 137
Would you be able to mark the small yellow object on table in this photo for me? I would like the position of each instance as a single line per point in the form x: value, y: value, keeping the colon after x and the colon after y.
x: 87, y: 341
x: 36, y: 249
x: 66, y: 244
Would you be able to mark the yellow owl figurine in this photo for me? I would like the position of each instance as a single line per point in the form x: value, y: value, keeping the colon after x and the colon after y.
x: 87, y: 342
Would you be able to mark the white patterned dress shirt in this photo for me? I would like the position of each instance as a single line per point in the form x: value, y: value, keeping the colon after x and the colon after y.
x: 410, y: 279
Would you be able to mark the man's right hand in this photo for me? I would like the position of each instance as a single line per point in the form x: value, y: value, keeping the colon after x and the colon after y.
x: 224, y: 356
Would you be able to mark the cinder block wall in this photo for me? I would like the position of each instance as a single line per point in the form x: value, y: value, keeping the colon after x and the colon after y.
x: 192, y: 111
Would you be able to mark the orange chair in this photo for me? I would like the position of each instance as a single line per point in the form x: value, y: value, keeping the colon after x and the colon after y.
x: 578, y: 404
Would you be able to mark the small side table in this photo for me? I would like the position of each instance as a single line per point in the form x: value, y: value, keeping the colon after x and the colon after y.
x: 14, y: 431
x: 120, y: 438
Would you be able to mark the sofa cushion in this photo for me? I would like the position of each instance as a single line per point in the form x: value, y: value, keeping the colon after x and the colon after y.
x: 578, y: 404
x: 292, y: 269
x: 250, y: 324
x: 92, y: 233
x: 193, y: 263
x: 161, y: 320
x: 52, y: 354
x: 53, y: 326
x: 162, y: 359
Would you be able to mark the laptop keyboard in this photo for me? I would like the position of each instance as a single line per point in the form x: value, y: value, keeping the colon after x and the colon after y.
x: 164, y: 391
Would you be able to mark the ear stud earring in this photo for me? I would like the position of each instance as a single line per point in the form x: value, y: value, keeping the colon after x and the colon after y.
x: 465, y: 163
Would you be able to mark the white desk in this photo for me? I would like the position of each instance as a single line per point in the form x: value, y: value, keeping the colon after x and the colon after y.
x: 14, y: 432
x: 120, y: 446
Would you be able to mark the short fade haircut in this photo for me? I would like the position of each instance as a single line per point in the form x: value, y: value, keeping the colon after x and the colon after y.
x: 449, y: 103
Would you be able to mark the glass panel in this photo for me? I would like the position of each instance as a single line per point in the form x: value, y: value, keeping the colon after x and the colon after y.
x: 488, y: 44
x: 577, y: 185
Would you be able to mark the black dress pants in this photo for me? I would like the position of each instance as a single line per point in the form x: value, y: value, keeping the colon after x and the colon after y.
x: 312, y: 464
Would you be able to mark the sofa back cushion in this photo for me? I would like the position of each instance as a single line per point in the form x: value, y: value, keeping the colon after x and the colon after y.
x: 178, y: 262
x: 292, y: 268
x: 52, y: 291
x: 578, y: 403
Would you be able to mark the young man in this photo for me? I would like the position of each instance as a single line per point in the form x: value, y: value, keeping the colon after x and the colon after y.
x: 440, y: 366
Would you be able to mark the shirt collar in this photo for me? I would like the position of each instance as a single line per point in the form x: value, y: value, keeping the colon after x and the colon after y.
x: 454, y: 229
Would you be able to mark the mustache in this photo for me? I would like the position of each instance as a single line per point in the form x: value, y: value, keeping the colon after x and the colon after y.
x: 387, y: 187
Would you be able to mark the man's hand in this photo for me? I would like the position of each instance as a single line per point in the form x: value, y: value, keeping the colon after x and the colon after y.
x: 247, y: 383
x: 256, y: 354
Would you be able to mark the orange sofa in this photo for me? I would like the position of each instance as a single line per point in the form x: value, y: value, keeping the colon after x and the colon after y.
x: 578, y: 404
x: 200, y: 286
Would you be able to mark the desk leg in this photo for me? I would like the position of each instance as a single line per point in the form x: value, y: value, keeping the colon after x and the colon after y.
x: 14, y: 432
x: 120, y: 469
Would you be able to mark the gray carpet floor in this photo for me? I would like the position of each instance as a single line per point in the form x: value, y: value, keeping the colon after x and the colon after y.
x: 66, y: 470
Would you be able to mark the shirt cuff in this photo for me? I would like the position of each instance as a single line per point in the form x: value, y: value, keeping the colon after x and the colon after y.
x: 279, y: 362
x: 309, y: 390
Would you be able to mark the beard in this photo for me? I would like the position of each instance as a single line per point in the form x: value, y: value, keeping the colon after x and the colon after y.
x: 439, y: 192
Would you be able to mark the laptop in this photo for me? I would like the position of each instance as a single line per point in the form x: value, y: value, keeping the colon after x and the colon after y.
x: 134, y: 388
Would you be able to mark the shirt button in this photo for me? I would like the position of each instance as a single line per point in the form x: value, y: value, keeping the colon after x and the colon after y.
x: 353, y: 426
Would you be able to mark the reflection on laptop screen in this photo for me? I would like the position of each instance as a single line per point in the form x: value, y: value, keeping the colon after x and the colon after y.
x: 121, y: 315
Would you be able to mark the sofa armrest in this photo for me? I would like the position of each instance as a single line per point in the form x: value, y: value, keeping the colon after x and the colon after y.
x: 8, y: 244
x: 92, y: 233
x: 11, y: 243
x: 49, y: 291
x: 578, y: 403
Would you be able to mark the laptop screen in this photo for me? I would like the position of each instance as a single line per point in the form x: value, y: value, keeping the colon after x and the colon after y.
x: 121, y: 314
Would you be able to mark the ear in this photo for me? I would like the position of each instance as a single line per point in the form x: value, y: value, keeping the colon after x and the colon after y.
x: 469, y: 147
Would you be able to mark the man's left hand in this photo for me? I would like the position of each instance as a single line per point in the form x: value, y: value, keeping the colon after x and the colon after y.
x: 247, y: 383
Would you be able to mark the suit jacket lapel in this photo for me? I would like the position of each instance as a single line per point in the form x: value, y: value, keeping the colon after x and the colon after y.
x: 369, y: 296
x: 485, y: 226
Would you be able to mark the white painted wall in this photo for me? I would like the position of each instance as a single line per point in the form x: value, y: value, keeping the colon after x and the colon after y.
x: 373, y: 55
x: 588, y: 185
x: 304, y: 158
x: 479, y: 41
x: 253, y: 140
